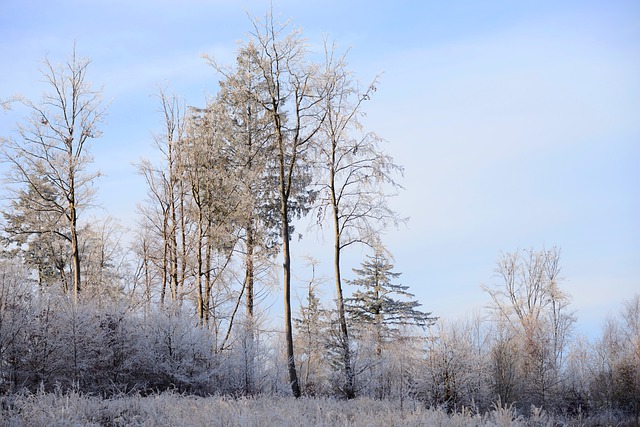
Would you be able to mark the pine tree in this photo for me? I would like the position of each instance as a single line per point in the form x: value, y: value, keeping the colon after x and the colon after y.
x: 311, y: 327
x: 37, y: 234
x: 381, y: 303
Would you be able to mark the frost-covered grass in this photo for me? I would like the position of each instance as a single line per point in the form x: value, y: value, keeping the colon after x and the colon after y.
x: 171, y: 409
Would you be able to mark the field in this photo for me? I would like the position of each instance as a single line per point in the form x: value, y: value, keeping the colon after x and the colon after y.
x: 171, y: 409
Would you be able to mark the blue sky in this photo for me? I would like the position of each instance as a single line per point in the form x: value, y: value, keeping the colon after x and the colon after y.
x: 518, y: 123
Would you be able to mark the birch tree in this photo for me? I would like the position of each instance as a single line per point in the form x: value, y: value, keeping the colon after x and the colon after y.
x: 52, y: 147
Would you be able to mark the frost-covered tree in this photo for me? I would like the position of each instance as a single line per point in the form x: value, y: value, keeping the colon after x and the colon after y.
x: 356, y: 180
x: 15, y: 320
x: 34, y: 232
x: 105, y: 261
x: 248, y: 131
x: 457, y: 366
x: 382, y: 312
x: 312, y: 327
x: 381, y: 303
x: 293, y: 90
x: 51, y: 148
x: 163, y: 211
x: 211, y: 204
x: 616, y: 380
x: 530, y: 304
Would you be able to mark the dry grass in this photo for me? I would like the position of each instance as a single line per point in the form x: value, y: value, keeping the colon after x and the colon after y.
x: 171, y: 409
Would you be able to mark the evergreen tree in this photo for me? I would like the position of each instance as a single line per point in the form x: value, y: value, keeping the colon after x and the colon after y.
x: 381, y: 303
x: 311, y: 327
x: 37, y: 234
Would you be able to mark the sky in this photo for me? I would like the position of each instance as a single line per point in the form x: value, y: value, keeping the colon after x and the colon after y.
x: 517, y: 122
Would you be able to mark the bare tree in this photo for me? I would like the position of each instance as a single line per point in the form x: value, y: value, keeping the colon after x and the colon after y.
x: 164, y: 208
x: 105, y: 261
x: 628, y: 369
x: 457, y: 364
x: 357, y: 180
x: 530, y: 303
x: 52, y: 148
x: 312, y: 326
x: 292, y: 97
x: 213, y: 199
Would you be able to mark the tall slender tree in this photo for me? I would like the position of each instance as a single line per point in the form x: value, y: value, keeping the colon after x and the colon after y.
x: 52, y: 148
x: 356, y: 180
x: 293, y: 93
x: 250, y: 147
x: 164, y: 208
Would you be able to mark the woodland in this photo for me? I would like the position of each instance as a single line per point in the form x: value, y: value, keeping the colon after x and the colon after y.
x: 93, y: 324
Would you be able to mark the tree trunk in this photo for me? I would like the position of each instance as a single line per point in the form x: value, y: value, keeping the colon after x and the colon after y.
x: 344, y: 331
x: 199, y: 244
x: 207, y: 280
x: 288, y: 331
x: 248, y: 285
x: 165, y: 255
x: 75, y: 250
x: 72, y: 216
x: 174, y: 251
x: 249, y: 272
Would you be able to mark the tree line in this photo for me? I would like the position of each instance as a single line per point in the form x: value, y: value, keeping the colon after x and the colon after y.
x: 179, y: 307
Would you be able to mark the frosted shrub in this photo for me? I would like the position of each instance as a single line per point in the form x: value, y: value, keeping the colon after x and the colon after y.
x: 504, y: 415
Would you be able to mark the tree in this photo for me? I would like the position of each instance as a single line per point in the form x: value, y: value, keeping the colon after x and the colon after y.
x: 14, y: 319
x: 456, y: 365
x: 629, y: 367
x: 356, y: 177
x: 616, y: 380
x: 105, y: 262
x: 248, y: 131
x: 212, y: 202
x: 505, y: 353
x: 382, y: 303
x: 164, y: 211
x: 37, y: 235
x: 53, y: 145
x: 531, y: 305
x: 312, y: 328
x: 380, y: 306
x: 292, y: 97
